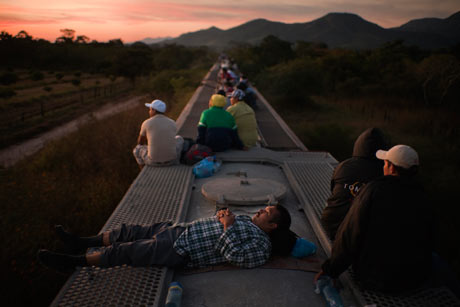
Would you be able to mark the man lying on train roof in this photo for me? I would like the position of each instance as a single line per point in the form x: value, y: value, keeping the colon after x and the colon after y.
x: 158, y: 144
x: 386, y: 235
x: 240, y: 240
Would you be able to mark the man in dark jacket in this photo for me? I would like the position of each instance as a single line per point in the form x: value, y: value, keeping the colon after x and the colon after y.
x: 350, y: 175
x: 387, y: 235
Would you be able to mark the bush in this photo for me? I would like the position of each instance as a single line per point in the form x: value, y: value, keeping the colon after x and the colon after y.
x: 37, y: 76
x: 8, y: 78
x: 76, y: 82
x: 7, y: 93
x: 59, y: 76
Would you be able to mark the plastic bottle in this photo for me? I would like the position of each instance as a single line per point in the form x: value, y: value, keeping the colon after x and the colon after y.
x: 174, y: 295
x: 216, y: 166
x: 324, y: 285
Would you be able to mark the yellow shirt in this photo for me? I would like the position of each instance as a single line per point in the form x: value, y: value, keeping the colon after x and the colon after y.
x: 246, y: 123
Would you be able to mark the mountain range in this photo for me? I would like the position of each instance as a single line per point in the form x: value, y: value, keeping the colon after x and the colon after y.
x: 337, y: 30
x: 150, y: 40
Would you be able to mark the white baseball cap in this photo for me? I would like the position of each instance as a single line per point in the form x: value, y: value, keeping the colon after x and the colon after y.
x: 400, y: 155
x: 158, y: 105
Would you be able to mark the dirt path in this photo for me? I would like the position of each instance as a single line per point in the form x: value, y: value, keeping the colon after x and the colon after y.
x: 11, y: 155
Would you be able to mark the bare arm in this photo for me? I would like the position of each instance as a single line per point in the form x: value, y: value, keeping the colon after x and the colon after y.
x: 142, y: 140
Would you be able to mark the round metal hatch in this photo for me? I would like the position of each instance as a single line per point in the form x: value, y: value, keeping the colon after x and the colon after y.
x: 243, y: 191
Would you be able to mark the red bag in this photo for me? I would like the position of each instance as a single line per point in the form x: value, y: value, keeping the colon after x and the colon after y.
x: 196, y: 153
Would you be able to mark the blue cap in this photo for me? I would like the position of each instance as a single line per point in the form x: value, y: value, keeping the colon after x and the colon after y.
x: 303, y: 248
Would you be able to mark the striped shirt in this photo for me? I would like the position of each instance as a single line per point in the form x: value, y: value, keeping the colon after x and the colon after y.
x: 243, y: 244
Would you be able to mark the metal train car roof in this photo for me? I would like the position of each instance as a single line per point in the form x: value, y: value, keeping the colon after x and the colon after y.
x: 172, y: 193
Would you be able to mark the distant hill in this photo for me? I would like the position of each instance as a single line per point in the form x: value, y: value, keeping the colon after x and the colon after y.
x: 337, y: 30
x: 448, y: 28
x: 149, y: 40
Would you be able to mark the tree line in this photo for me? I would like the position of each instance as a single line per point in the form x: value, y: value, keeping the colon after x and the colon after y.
x: 295, y: 72
x: 71, y: 52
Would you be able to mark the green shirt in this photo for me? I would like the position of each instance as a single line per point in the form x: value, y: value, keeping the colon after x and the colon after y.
x: 217, y: 117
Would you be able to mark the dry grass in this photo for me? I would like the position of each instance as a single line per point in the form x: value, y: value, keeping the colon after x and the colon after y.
x: 76, y: 181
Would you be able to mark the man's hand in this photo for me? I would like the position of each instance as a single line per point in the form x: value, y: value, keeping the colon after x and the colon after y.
x: 226, y: 217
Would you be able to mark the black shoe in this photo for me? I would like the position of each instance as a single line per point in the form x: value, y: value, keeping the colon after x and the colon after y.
x: 77, y: 244
x: 60, y: 262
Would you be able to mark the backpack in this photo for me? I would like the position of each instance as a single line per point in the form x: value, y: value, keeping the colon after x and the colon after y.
x: 188, y: 143
x: 196, y: 153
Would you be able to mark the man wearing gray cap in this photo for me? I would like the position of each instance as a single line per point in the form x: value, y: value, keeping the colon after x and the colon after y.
x: 158, y: 144
x: 387, y: 235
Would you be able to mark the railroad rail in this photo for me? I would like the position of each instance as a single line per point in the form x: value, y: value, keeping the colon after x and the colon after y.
x: 172, y: 193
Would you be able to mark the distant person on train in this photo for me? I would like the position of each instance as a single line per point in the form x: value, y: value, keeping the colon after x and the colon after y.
x: 250, y: 96
x: 158, y: 144
x: 224, y: 238
x: 217, y: 128
x: 225, y: 76
x: 350, y: 176
x: 228, y: 87
x: 245, y: 119
x: 387, y: 236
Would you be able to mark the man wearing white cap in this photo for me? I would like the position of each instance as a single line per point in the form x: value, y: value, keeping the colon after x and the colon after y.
x: 387, y: 236
x: 158, y: 144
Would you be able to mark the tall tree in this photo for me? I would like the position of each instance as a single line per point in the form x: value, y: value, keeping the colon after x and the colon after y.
x: 68, y: 36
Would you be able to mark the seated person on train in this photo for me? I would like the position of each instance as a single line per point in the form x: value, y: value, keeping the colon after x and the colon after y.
x: 350, y: 175
x: 387, y: 235
x: 228, y: 87
x: 158, y: 144
x: 217, y: 128
x: 245, y: 119
x: 250, y: 96
x: 224, y: 75
x: 224, y: 238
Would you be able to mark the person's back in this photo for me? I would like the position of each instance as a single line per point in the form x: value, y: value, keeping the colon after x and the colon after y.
x: 395, y: 249
x: 217, y: 128
x: 157, y: 144
x: 161, y: 134
x: 245, y: 119
x: 350, y: 175
x: 387, y: 236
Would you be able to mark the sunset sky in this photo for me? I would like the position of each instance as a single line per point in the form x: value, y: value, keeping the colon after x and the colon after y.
x: 133, y: 20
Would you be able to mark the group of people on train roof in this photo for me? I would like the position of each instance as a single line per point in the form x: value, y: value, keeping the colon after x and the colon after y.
x: 377, y: 217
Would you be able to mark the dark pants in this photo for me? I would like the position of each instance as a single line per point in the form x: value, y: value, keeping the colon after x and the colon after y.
x: 442, y: 275
x: 143, y: 246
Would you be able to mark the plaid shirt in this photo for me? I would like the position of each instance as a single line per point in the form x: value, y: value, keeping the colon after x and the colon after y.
x: 243, y: 244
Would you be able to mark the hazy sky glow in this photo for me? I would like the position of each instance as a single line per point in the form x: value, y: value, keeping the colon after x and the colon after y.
x: 133, y: 20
